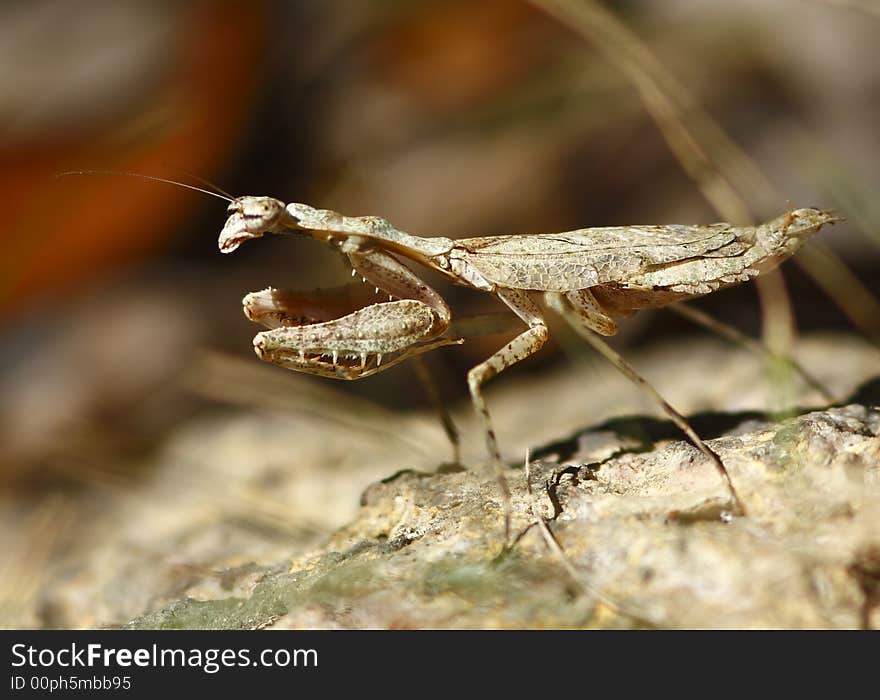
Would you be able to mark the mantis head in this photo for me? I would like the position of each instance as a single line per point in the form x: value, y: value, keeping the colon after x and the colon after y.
x: 251, y: 217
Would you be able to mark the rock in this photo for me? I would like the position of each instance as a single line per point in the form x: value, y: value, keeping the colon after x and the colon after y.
x: 242, y: 524
x: 642, y: 533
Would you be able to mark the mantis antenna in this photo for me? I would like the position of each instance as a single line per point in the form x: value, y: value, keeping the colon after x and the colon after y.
x: 147, y: 177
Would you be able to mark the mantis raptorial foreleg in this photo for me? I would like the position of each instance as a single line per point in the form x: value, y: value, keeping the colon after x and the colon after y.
x: 276, y: 308
x: 578, y: 318
x: 392, y: 277
x: 312, y: 312
x: 356, y: 345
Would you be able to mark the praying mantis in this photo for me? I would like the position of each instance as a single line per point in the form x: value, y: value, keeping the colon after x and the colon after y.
x: 589, y: 277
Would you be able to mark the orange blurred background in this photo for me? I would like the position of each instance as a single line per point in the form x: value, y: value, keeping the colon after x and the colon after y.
x: 444, y: 116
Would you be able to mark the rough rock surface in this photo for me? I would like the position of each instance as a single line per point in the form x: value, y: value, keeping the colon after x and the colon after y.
x: 643, y: 533
x: 239, y: 526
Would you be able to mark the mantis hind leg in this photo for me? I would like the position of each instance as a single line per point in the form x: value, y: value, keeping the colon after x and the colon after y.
x: 580, y: 316
x: 523, y: 345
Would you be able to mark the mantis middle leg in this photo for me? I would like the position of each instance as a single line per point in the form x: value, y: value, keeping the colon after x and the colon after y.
x: 525, y: 344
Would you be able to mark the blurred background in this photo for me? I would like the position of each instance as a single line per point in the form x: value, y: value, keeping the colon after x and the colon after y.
x: 120, y: 322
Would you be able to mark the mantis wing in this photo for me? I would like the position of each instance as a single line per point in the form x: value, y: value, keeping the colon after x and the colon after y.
x: 579, y: 259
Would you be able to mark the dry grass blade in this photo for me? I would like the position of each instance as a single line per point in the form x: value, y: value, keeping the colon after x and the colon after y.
x: 549, y: 537
x: 720, y: 168
x: 838, y: 281
x: 700, y: 318
x: 24, y: 565
x: 715, y: 163
x: 228, y: 379
x: 868, y: 7
x: 554, y: 546
x: 709, y: 157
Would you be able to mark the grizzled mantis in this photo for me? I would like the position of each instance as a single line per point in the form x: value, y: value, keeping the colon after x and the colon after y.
x: 589, y: 276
